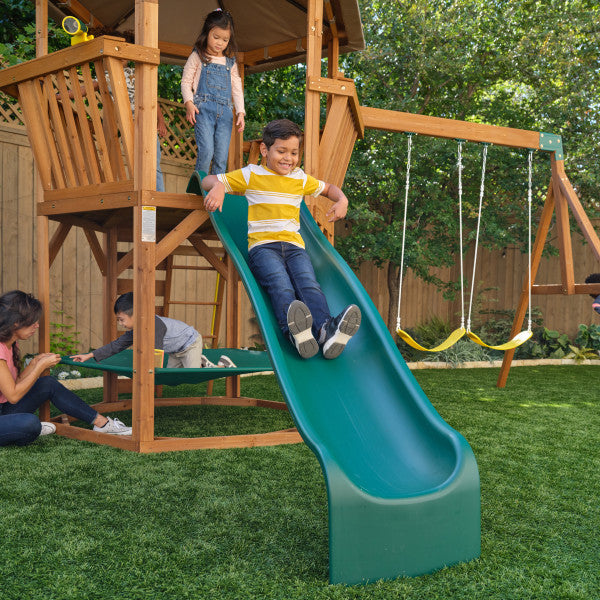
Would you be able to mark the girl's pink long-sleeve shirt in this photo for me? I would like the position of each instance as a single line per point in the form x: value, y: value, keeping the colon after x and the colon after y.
x: 191, y: 77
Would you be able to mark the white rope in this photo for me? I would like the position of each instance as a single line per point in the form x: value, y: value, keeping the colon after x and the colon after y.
x: 406, y: 188
x: 530, y: 165
x: 460, y: 230
x: 481, y: 193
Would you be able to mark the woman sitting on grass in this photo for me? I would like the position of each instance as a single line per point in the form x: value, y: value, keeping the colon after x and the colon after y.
x: 22, y: 392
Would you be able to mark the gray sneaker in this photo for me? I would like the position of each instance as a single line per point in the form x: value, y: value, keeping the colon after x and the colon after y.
x: 225, y: 361
x: 336, y: 333
x: 206, y: 364
x: 300, y: 323
x: 114, y: 426
x: 47, y: 428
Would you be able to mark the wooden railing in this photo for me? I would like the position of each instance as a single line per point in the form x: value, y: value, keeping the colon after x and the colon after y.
x: 78, y: 137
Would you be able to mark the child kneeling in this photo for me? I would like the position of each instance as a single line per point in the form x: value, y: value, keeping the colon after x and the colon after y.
x: 276, y: 250
x: 179, y: 340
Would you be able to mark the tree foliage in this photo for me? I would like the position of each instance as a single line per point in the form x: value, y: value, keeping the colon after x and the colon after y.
x: 529, y: 65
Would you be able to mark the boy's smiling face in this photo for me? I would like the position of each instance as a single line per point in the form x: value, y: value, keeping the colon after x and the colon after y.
x: 283, y: 156
x: 125, y: 320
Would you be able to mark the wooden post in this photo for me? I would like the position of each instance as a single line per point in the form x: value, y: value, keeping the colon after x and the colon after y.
x: 109, y: 294
x: 144, y: 226
x: 43, y: 236
x: 233, y: 388
x: 563, y: 228
x: 313, y: 69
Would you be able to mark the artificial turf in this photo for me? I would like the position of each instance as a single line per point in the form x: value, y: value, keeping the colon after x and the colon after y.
x: 84, y: 521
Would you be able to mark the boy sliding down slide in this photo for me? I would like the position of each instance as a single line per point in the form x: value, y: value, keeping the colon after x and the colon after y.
x: 276, y: 251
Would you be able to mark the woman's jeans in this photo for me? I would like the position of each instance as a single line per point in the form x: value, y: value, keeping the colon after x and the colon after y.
x: 18, y: 424
x: 286, y: 274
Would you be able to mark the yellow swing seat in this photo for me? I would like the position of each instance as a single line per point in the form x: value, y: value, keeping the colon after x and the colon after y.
x: 519, y: 339
x: 450, y: 341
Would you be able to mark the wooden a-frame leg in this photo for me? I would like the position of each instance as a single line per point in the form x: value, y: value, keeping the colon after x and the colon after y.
x: 536, y: 256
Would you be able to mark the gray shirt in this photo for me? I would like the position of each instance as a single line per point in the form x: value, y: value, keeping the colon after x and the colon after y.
x: 170, y: 335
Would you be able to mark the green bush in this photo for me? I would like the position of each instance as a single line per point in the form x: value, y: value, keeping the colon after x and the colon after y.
x: 588, y: 336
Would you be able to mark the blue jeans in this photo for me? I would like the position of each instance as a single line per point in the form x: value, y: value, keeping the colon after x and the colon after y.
x: 18, y: 424
x: 286, y: 274
x: 213, y: 134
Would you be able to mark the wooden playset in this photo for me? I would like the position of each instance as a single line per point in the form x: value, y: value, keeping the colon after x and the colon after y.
x: 96, y: 167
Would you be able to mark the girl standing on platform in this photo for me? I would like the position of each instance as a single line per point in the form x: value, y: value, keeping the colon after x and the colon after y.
x: 22, y: 392
x: 209, y: 83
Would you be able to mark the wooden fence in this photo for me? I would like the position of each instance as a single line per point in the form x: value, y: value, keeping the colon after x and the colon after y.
x: 77, y: 288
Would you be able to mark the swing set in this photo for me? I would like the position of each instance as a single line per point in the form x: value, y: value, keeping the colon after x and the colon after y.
x: 561, y: 199
x: 464, y: 329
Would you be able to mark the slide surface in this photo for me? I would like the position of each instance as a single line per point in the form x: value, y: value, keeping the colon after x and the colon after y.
x: 403, y: 486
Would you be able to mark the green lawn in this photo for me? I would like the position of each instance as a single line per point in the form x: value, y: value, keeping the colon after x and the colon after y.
x: 84, y: 521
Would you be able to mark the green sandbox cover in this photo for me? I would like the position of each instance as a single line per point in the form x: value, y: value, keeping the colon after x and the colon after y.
x: 246, y: 361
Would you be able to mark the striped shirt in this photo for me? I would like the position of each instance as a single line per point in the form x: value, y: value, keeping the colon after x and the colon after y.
x: 273, y: 201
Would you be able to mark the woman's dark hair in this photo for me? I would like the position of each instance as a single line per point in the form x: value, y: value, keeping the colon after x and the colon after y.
x: 17, y: 309
x: 217, y: 18
x: 124, y: 304
x: 281, y: 129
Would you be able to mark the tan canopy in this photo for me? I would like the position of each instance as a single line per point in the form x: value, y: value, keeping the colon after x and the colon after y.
x: 270, y: 33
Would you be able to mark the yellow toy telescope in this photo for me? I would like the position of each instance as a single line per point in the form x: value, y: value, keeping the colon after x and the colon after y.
x: 77, y: 30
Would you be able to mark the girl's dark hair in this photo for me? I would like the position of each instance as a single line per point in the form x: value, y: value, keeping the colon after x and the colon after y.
x: 281, y: 129
x: 217, y: 18
x: 17, y: 309
x: 124, y: 304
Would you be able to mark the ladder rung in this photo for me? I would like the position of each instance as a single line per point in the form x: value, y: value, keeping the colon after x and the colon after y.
x: 192, y: 268
x: 193, y: 303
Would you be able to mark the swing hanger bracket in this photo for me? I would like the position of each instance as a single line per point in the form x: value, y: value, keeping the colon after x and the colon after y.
x: 551, y: 142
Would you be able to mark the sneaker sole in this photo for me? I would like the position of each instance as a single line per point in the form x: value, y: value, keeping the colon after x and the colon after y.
x: 300, y: 326
x: 348, y: 326
x: 226, y: 362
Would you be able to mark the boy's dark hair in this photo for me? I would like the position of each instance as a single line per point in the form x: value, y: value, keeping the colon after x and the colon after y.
x: 124, y: 304
x: 281, y: 129
x: 216, y: 18
x: 593, y: 278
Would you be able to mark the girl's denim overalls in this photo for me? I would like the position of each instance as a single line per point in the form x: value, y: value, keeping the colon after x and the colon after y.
x: 215, y: 119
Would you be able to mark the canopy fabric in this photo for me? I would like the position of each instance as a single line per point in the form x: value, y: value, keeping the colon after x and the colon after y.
x: 246, y: 361
x: 258, y: 25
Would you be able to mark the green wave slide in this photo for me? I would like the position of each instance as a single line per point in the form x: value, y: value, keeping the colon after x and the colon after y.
x: 402, y: 485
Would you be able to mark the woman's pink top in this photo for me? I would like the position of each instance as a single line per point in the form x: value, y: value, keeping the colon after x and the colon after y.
x: 191, y: 77
x: 6, y: 354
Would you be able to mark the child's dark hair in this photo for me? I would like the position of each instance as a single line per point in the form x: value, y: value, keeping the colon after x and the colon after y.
x: 216, y: 18
x: 281, y: 129
x: 124, y: 304
x: 593, y: 278
x: 17, y: 309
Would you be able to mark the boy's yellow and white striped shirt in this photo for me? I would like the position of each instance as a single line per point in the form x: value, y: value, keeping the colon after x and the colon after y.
x: 273, y: 201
